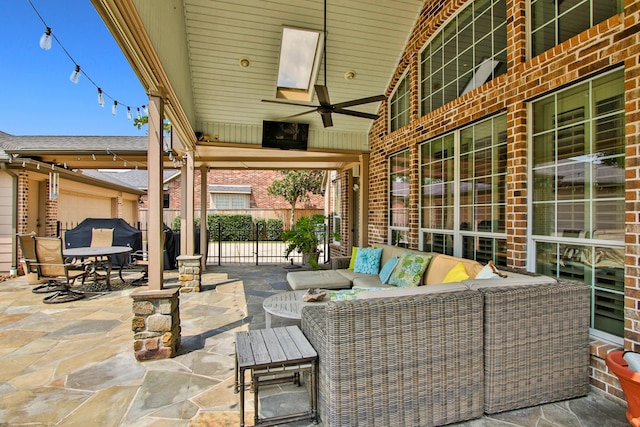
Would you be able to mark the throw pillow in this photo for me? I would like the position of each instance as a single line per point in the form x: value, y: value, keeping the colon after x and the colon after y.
x: 387, y: 269
x: 352, y: 261
x: 488, y: 272
x: 456, y: 274
x: 368, y: 261
x: 345, y: 294
x: 409, y: 270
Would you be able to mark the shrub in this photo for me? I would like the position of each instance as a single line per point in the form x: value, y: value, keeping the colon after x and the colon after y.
x: 236, y: 228
x: 260, y: 229
x: 175, y: 226
x: 274, y: 229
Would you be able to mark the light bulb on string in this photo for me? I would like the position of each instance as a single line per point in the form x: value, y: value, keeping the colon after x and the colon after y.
x: 45, y: 40
x: 93, y: 156
x: 115, y: 157
x: 100, y: 98
x: 139, y: 115
x: 114, y: 108
x: 129, y: 116
x: 24, y: 163
x: 125, y: 163
x: 38, y: 166
x: 75, y: 75
x: 146, y: 111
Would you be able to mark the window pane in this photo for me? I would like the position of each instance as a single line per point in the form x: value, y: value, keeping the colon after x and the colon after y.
x: 550, y: 26
x: 574, y: 22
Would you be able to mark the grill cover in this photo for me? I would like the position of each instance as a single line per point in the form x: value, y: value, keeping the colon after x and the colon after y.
x: 123, y: 235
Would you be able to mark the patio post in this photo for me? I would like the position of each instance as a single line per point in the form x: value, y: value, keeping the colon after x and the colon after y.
x: 204, y: 197
x: 154, y: 169
x: 187, y: 208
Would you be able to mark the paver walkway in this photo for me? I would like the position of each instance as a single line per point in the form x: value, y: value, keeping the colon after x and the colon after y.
x: 72, y: 364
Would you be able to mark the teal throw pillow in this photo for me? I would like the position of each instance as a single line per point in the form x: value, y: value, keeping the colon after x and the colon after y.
x: 387, y: 269
x: 368, y: 261
x: 409, y: 270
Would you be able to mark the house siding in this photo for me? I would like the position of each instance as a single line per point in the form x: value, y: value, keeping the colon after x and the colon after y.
x: 7, y: 230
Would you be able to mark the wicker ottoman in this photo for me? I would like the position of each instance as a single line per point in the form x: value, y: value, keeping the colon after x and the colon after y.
x: 324, y: 279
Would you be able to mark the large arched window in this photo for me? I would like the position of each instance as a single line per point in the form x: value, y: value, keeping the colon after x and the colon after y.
x: 469, y: 51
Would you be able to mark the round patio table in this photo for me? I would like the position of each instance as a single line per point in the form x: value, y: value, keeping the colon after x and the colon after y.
x: 287, y: 305
x: 96, y: 253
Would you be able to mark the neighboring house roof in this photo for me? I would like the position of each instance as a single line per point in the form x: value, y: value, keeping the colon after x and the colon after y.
x: 138, y: 178
x: 231, y: 189
x: 48, y: 144
x: 113, y: 178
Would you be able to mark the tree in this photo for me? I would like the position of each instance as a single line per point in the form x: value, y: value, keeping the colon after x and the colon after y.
x: 144, y: 120
x: 296, y: 186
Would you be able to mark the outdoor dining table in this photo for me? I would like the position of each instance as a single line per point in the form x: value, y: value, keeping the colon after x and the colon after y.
x: 97, y: 254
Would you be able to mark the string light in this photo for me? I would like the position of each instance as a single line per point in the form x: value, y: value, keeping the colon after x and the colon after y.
x: 75, y: 76
x: 100, y: 98
x: 46, y: 42
x: 114, y: 108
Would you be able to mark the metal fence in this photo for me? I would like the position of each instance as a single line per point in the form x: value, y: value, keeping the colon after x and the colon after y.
x: 252, y: 251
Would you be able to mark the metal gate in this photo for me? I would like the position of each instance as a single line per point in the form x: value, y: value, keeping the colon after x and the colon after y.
x: 256, y: 251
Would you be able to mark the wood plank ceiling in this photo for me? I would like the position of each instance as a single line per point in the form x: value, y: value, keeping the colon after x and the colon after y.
x: 200, y: 44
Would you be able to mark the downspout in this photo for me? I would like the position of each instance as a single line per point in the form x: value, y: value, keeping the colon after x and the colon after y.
x: 14, y: 220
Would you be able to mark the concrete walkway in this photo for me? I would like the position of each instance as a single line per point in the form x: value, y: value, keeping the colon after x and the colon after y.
x: 71, y: 364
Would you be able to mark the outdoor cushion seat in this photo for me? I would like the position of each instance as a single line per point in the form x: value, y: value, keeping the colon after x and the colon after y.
x: 322, y: 279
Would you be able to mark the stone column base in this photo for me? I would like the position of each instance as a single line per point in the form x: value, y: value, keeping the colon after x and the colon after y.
x: 156, y: 324
x: 189, y: 273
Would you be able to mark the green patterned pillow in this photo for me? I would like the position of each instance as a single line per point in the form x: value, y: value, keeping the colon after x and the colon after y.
x: 344, y: 294
x: 409, y: 270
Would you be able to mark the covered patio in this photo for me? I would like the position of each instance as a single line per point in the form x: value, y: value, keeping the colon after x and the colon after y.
x: 71, y: 363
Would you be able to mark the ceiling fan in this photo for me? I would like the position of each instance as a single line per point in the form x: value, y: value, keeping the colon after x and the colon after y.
x: 326, y: 108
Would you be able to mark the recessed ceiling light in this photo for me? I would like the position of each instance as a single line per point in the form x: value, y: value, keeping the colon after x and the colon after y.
x: 350, y: 75
x: 245, y: 62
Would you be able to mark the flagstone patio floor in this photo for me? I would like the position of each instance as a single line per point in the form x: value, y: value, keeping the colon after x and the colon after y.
x: 72, y: 364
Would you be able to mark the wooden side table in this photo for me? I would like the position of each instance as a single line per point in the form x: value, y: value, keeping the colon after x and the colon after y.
x: 282, y: 354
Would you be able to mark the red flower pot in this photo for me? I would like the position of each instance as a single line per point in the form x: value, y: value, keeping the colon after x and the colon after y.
x: 630, y: 382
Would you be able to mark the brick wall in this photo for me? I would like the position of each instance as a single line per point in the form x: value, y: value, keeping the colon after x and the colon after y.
x: 259, y: 180
x: 23, y: 202
x: 612, y: 43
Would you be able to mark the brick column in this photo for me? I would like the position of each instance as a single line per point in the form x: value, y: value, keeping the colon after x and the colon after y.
x: 156, y: 324
x: 189, y: 273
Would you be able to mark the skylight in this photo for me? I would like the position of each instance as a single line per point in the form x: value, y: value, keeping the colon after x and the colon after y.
x: 299, y: 59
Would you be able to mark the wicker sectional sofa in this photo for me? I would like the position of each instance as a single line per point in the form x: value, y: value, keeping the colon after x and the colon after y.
x: 445, y: 353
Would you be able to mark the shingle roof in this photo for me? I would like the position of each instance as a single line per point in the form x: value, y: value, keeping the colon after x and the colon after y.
x: 73, y: 143
x: 135, y: 178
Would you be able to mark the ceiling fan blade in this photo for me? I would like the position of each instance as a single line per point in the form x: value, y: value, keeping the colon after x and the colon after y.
x: 360, y: 101
x: 323, y: 95
x: 327, y: 121
x: 300, y: 114
x: 356, y: 113
x: 275, y: 101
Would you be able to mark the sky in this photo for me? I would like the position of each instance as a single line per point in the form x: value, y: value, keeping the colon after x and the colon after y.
x: 36, y: 95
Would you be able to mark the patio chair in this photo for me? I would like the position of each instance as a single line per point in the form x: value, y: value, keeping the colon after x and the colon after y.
x: 27, y: 246
x: 140, y: 260
x: 101, y: 237
x: 52, y: 267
